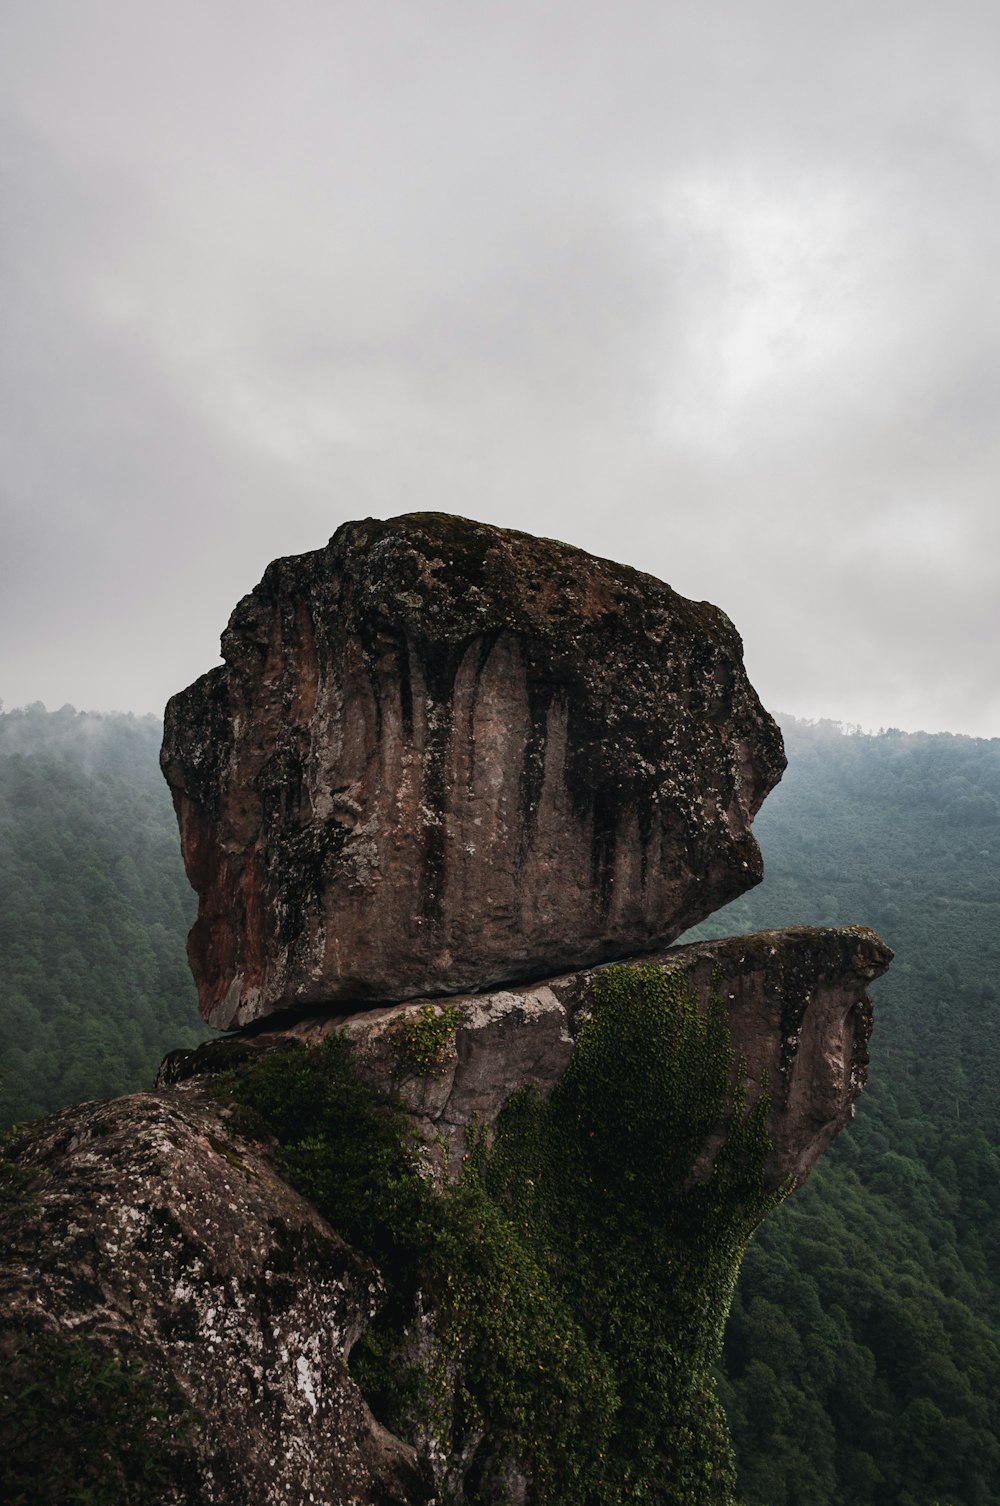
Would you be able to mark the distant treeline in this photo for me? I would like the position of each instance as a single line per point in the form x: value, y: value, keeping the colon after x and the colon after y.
x: 861, y: 1364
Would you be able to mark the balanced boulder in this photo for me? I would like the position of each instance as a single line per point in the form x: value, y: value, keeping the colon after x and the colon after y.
x: 441, y: 756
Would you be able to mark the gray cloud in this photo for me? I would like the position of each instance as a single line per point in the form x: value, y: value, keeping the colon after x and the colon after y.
x: 710, y: 290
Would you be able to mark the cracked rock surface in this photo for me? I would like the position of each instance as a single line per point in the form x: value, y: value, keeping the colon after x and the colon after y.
x: 145, y: 1227
x: 441, y: 756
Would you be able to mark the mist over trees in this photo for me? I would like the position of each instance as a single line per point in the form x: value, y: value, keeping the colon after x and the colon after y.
x: 861, y: 1361
x: 94, y: 909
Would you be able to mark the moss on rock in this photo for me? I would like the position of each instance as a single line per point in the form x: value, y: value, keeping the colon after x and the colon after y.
x: 493, y: 1353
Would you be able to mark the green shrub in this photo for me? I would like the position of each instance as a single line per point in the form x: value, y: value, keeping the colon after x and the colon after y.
x: 79, y: 1427
x: 352, y: 1153
x: 596, y: 1181
x: 426, y: 1044
x: 13, y: 1176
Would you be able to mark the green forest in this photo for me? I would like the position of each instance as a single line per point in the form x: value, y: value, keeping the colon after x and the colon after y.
x: 862, y: 1363
x: 94, y: 909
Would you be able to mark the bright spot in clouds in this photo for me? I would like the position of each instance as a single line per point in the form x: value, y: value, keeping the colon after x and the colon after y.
x: 779, y: 311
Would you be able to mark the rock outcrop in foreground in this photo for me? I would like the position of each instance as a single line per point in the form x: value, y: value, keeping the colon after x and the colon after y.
x: 444, y: 777
x: 440, y: 756
x: 144, y: 1225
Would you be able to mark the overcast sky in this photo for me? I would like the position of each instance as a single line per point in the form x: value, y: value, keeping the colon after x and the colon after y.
x: 713, y: 289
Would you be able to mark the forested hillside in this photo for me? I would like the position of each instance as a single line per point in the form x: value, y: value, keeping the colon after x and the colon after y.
x: 862, y: 1365
x: 94, y: 908
x: 862, y: 1360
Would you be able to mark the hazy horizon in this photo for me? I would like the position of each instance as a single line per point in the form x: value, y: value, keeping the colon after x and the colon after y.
x: 846, y: 729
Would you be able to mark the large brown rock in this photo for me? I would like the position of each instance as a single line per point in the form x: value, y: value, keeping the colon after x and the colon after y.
x: 440, y: 756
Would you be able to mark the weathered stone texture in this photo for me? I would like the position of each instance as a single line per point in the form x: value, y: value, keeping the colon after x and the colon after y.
x: 145, y: 1228
x: 440, y: 756
x: 799, y: 1018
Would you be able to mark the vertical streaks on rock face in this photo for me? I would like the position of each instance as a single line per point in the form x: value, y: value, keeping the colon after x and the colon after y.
x: 442, y: 755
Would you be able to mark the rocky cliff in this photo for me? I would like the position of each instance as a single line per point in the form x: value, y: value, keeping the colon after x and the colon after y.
x: 144, y: 1239
x: 455, y: 1215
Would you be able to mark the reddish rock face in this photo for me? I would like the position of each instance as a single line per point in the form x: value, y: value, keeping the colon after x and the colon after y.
x: 440, y: 756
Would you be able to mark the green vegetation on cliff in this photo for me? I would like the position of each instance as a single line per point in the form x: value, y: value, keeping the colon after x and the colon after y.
x: 78, y: 1428
x: 608, y: 1401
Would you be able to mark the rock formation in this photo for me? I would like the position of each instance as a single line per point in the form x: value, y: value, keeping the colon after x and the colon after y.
x: 168, y: 1239
x: 441, y: 756
x: 446, y: 775
x: 798, y: 1015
